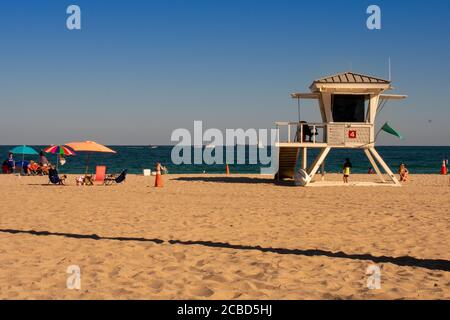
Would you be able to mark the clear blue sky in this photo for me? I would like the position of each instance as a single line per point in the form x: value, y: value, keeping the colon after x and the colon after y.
x: 139, y: 69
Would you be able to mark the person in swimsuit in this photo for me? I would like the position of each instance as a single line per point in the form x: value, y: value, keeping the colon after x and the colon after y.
x: 403, y: 172
x: 347, y: 169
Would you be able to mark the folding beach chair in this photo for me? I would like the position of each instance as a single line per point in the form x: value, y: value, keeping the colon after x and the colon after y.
x: 115, y: 179
x: 100, y: 174
x: 54, y: 178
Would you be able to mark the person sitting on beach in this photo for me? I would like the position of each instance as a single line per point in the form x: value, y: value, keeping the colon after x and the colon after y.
x: 307, y: 132
x: 25, y: 169
x: 33, y: 168
x: 403, y: 172
x: 43, y: 170
x: 54, y: 176
x: 43, y: 161
x: 44, y: 164
x: 5, y: 167
x: 347, y: 169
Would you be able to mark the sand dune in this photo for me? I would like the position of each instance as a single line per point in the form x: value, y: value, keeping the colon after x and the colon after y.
x: 217, y: 237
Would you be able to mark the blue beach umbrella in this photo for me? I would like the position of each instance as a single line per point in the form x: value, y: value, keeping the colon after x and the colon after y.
x: 24, y: 150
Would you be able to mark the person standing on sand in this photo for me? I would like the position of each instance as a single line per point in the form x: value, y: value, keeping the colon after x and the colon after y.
x: 11, y: 163
x: 347, y: 169
x: 162, y: 169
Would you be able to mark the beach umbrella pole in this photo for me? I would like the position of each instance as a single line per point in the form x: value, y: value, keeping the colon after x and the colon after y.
x: 89, y: 147
x: 87, y: 163
x: 23, y: 156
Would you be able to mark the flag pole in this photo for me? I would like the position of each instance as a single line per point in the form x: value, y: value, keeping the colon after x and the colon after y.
x: 376, y: 136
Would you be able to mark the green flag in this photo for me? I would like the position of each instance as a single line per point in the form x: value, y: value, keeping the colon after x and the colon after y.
x: 387, y: 128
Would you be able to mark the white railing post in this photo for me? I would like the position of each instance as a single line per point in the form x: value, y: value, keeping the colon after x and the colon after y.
x: 301, y: 132
x: 278, y: 133
x: 289, y: 133
x: 314, y: 133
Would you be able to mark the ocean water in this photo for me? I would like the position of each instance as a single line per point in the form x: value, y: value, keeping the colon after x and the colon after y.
x: 137, y: 158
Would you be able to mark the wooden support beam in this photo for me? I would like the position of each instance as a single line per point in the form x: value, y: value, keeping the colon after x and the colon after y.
x: 384, y: 166
x: 374, y: 165
x: 304, y: 158
x: 322, y: 169
x: 318, y: 161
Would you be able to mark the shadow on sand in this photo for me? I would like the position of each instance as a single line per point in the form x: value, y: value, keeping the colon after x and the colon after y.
x: 406, y: 261
x: 46, y: 185
x: 230, y: 179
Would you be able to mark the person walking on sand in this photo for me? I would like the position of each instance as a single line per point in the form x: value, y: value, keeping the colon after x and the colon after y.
x: 347, y: 169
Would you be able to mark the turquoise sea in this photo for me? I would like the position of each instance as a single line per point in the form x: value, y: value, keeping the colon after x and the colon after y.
x: 137, y: 158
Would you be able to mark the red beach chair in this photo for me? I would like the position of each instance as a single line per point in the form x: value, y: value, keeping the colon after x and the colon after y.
x: 100, y: 174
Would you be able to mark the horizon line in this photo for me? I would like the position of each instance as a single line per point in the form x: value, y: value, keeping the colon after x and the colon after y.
x: 205, y: 145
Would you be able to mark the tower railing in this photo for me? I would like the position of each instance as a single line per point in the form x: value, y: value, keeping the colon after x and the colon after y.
x: 301, y: 132
x: 333, y: 134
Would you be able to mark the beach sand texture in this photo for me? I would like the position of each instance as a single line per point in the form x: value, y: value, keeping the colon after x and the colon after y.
x: 219, y: 237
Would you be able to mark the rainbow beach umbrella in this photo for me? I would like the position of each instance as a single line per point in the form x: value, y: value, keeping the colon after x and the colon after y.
x: 60, y: 151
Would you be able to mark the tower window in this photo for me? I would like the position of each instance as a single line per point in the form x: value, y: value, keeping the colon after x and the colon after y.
x: 348, y: 108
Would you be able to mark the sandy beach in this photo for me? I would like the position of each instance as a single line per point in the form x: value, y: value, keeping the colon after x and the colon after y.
x: 219, y: 237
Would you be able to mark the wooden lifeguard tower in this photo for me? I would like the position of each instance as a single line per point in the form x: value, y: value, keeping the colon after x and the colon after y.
x: 348, y: 104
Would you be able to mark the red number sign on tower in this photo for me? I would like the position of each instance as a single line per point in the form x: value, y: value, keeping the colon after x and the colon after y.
x: 352, y: 134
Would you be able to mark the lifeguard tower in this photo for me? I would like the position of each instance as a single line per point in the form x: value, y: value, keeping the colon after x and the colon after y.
x: 348, y: 104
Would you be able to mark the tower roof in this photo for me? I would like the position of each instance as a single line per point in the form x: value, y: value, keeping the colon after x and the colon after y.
x: 351, y: 77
